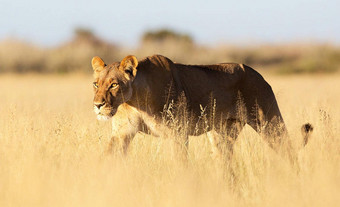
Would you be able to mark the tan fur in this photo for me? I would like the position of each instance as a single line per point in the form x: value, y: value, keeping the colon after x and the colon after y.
x: 232, y: 94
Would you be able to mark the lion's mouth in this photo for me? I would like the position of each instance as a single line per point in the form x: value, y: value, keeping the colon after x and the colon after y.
x: 101, y: 117
x: 105, y: 114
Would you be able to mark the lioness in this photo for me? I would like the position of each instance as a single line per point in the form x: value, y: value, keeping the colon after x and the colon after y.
x: 133, y: 93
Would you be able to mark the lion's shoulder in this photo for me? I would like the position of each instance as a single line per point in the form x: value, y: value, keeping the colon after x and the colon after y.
x: 156, y: 59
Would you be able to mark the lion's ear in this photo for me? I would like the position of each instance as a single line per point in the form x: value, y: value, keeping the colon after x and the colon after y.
x: 129, y: 66
x: 97, y: 64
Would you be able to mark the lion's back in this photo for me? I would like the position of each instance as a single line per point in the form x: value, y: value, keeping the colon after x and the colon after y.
x: 200, y: 83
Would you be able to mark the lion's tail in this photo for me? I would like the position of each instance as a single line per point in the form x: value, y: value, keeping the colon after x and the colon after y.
x: 306, y: 130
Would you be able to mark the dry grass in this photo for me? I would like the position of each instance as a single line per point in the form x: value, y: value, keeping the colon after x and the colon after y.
x: 51, y: 153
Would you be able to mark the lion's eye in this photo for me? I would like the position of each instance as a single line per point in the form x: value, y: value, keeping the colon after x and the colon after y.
x: 114, y: 85
x: 95, y: 84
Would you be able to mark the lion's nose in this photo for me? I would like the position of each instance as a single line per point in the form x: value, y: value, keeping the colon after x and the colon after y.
x: 98, y: 105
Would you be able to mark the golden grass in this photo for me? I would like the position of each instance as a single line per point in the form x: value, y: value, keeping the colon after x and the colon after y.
x: 51, y: 152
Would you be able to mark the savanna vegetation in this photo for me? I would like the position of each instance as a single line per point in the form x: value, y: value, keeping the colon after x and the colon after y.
x: 74, y: 55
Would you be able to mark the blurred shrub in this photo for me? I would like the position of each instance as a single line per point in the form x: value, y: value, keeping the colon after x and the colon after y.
x: 18, y: 56
x: 75, y: 55
x: 167, y: 42
x: 72, y: 56
x: 163, y: 35
x: 316, y: 59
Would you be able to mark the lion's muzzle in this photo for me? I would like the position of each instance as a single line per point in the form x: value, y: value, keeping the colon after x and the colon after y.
x: 103, y: 112
x: 99, y: 105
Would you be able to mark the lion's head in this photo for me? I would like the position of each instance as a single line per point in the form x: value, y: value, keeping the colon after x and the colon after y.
x: 112, y: 85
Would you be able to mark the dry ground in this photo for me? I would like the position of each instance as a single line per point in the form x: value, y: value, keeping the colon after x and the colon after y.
x: 51, y: 152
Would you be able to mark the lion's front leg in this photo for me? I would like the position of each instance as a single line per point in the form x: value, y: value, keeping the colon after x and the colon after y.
x: 119, y: 145
x: 121, y: 140
x: 180, y: 140
x: 125, y: 124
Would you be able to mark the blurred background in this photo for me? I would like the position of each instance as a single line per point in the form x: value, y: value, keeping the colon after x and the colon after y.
x: 293, y: 36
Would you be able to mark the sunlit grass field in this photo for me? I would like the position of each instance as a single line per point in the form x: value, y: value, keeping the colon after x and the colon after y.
x: 52, y: 152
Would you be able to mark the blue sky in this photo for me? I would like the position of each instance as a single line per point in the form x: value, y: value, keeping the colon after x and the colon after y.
x: 209, y: 22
